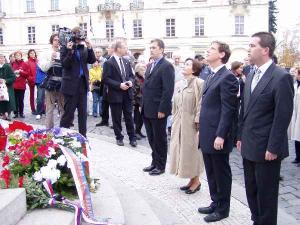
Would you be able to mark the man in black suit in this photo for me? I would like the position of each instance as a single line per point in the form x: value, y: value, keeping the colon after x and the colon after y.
x: 267, y: 107
x: 119, y: 78
x: 157, y: 95
x: 218, y: 107
x: 75, y: 79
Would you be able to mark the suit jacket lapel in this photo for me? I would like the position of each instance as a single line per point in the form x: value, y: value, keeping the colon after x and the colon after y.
x: 213, y: 79
x: 266, y: 78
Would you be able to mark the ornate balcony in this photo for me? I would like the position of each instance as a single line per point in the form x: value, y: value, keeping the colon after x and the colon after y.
x: 82, y: 9
x: 239, y: 2
x: 136, y: 5
x: 109, y: 6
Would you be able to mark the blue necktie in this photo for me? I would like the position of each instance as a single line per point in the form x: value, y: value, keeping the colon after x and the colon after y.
x: 78, y: 57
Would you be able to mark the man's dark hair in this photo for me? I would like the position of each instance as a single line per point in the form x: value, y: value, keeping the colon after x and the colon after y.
x: 223, y: 47
x: 267, y: 40
x: 159, y: 42
x: 275, y: 59
x: 52, y: 37
x: 199, y: 57
x: 235, y: 65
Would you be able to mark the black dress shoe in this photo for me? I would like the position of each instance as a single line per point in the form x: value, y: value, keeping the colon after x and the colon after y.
x: 184, y: 188
x: 189, y: 191
x: 213, y: 217
x: 206, y: 210
x: 16, y: 116
x: 120, y: 142
x: 149, y: 168
x: 156, y: 172
x: 138, y: 137
x: 296, y: 161
x: 141, y: 134
x: 101, y: 124
x: 133, y: 143
x: 22, y: 116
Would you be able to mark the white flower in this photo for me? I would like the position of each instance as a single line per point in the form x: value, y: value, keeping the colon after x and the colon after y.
x: 52, y: 163
x: 76, y: 144
x: 51, y: 152
x: 37, y: 176
x: 59, y: 141
x: 61, y: 160
x: 51, y: 174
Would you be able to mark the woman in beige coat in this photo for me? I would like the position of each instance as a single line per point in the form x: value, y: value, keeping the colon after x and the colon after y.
x: 295, y: 122
x: 186, y: 159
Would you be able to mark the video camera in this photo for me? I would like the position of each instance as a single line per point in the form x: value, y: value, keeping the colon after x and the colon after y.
x: 66, y: 35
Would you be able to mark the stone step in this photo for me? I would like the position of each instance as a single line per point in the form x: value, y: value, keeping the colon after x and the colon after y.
x: 49, y: 216
x: 165, y: 214
x: 106, y: 204
x: 12, y: 205
x: 136, y: 210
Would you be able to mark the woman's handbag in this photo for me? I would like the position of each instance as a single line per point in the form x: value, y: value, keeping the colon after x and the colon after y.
x: 3, y: 91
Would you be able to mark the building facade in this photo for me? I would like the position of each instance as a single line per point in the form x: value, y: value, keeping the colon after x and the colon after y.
x: 186, y: 26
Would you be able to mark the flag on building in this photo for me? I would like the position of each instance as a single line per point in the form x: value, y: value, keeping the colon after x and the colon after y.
x: 123, y: 24
x: 91, y: 25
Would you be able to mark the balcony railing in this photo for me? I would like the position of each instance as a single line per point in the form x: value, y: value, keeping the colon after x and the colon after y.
x: 136, y: 5
x: 2, y: 14
x: 109, y: 6
x: 239, y: 2
x: 82, y: 9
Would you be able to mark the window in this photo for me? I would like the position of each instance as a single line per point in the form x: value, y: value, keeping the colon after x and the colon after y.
x: 239, y: 25
x: 31, y: 35
x: 199, y: 26
x: 1, y: 36
x: 30, y: 5
x: 109, y: 26
x: 82, y: 3
x: 0, y: 5
x: 54, y: 5
x: 137, y: 29
x: 55, y: 28
x: 83, y: 26
x: 170, y: 27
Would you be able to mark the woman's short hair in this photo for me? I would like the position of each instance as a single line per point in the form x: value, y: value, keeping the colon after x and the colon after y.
x: 52, y: 38
x: 29, y: 51
x: 138, y: 67
x: 18, y: 52
x: 235, y: 65
x: 196, y: 66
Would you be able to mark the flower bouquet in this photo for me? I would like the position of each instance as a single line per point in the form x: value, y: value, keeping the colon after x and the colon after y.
x: 51, y: 164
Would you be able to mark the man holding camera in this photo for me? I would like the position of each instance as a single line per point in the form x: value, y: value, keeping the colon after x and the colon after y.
x: 118, y: 76
x: 75, y: 80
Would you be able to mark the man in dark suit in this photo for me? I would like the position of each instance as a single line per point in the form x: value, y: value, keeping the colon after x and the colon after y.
x: 119, y: 78
x: 157, y: 95
x: 267, y: 107
x: 218, y: 107
x: 75, y: 79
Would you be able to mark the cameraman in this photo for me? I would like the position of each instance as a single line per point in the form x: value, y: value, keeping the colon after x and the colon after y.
x: 75, y: 80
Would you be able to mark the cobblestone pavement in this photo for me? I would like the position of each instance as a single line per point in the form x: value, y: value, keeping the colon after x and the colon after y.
x: 289, y: 193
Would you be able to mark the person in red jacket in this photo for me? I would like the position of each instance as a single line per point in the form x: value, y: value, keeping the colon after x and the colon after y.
x: 21, y: 71
x: 32, y: 61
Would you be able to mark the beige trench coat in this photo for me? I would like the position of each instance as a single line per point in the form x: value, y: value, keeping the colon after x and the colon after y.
x: 295, y: 122
x: 186, y: 159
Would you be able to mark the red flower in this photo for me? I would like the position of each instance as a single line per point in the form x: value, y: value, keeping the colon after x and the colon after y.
x: 17, y: 125
x: 3, y: 140
x: 2, y: 131
x: 21, y: 181
x: 5, y: 175
x: 12, y: 147
x: 43, y: 151
x: 5, y: 160
x: 26, y: 157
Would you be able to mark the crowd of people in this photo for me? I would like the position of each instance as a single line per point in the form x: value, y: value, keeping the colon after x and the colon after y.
x: 206, y: 108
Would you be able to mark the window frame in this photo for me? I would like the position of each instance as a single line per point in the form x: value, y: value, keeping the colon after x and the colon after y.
x: 239, y: 25
x: 199, y: 26
x: 170, y: 27
x: 109, y: 30
x: 137, y: 25
x: 31, y: 35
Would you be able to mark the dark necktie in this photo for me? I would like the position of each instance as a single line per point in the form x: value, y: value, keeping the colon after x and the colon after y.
x: 123, y: 74
x: 209, y: 79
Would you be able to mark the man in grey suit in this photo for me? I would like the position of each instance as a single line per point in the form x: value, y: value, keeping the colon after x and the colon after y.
x: 267, y: 107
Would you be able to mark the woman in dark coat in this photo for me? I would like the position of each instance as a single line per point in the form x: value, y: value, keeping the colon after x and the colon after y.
x: 6, y: 73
